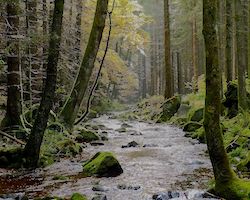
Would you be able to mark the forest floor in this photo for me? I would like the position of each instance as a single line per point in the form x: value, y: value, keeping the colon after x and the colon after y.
x: 160, y: 159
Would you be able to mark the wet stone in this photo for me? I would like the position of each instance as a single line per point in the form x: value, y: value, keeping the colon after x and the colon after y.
x: 96, y: 144
x: 128, y: 187
x: 135, y: 133
x: 125, y: 125
x: 121, y: 130
x: 150, y: 145
x: 131, y: 144
x: 166, y: 196
x: 99, y: 188
x: 100, y: 197
x: 15, y: 196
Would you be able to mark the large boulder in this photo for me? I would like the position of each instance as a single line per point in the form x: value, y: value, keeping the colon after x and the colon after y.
x: 103, y: 164
x: 169, y: 108
x: 191, y: 126
x: 197, y: 115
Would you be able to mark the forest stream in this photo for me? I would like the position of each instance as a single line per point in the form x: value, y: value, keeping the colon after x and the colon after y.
x: 163, y: 161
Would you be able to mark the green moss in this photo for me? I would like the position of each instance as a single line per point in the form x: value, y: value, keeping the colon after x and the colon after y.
x: 244, y: 165
x: 87, y: 136
x: 46, y: 160
x: 169, y: 108
x: 69, y: 147
x: 60, y: 177
x: 11, y: 157
x: 199, y: 134
x: 236, y: 189
x: 77, y: 196
x: 196, y: 115
x: 191, y: 126
x: 103, y: 164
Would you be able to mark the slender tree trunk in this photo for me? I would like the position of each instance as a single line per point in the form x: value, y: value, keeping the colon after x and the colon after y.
x: 180, y: 73
x: 144, y: 79
x: 229, y: 40
x: 78, y: 29
x: 168, y: 69
x: 194, y: 54
x: 241, y: 53
x: 218, y: 156
x: 32, y: 148
x: 72, y: 106
x: 12, y: 117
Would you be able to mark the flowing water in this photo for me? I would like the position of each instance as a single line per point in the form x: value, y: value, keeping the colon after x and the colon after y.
x: 164, y: 161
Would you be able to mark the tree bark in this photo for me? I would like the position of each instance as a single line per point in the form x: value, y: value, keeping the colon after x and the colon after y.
x: 194, y: 54
x: 32, y: 148
x: 241, y: 53
x: 12, y: 117
x: 179, y: 74
x: 218, y: 156
x: 168, y: 69
x: 73, y: 103
x: 229, y: 40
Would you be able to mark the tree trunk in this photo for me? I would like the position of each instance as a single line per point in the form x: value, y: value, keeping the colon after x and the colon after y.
x: 168, y: 69
x: 179, y: 73
x: 72, y: 106
x: 229, y: 40
x: 218, y: 156
x: 227, y: 185
x: 194, y: 54
x: 241, y: 53
x: 32, y: 148
x: 12, y: 117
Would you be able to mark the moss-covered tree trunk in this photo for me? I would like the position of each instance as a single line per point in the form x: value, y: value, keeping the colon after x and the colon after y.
x: 32, y: 148
x: 227, y: 185
x: 241, y: 51
x: 218, y: 156
x: 73, y: 103
x: 12, y: 117
x: 168, y: 69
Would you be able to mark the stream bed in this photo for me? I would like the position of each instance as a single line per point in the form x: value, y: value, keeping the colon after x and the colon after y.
x: 163, y: 162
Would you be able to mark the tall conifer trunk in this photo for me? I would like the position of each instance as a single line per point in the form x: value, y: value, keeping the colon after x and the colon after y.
x: 168, y: 69
x: 12, y: 117
x: 32, y: 148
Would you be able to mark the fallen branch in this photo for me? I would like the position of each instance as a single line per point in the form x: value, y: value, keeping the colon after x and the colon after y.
x: 12, y: 138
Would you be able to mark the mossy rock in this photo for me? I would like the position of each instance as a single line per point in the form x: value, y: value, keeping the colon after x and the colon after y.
x: 11, y: 157
x: 103, y: 164
x: 197, y: 115
x: 169, y: 108
x: 78, y: 196
x: 87, y: 136
x: 199, y: 134
x: 183, y: 110
x: 191, y: 126
x: 236, y: 189
x: 46, y: 160
x: 69, y: 147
